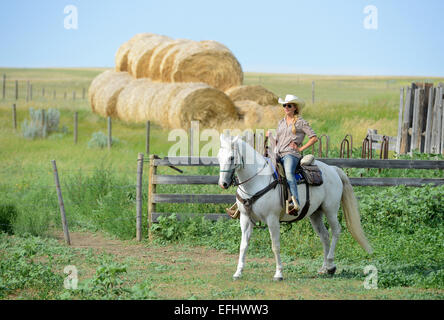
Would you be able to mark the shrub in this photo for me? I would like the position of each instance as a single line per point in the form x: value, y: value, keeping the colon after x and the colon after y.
x: 100, y: 140
x: 37, y: 127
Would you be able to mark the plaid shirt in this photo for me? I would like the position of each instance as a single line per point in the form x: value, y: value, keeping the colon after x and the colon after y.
x: 285, y: 136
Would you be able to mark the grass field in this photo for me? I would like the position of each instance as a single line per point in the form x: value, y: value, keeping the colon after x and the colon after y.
x: 404, y: 225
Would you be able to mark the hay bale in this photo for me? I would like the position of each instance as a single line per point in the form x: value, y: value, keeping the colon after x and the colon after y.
x: 209, y: 62
x: 255, y: 93
x: 198, y: 101
x: 127, y: 107
x: 105, y: 97
x: 160, y: 53
x: 121, y: 58
x: 97, y: 83
x: 166, y: 66
x: 253, y: 115
x: 139, y: 55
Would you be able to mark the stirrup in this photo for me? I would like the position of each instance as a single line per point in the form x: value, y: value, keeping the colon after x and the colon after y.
x: 292, y: 208
x: 233, y: 211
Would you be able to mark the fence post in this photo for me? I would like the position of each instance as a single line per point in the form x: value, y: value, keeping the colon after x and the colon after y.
x: 76, y: 120
x: 61, y: 204
x: 139, y: 197
x: 151, y: 192
x: 73, y: 95
x: 30, y: 92
x: 110, y: 139
x: 401, y: 107
x: 54, y: 95
x: 313, y: 92
x: 43, y: 92
x: 147, y: 140
x: 83, y: 94
x: 428, y: 133
x: 64, y: 95
x: 27, y: 91
x: 43, y: 123
x: 14, y: 117
x: 16, y: 90
x: 4, y: 86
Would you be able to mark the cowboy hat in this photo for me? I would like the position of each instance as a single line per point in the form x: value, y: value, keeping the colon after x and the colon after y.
x: 289, y: 98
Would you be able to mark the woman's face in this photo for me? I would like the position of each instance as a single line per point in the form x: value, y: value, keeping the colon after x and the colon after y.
x: 289, y: 108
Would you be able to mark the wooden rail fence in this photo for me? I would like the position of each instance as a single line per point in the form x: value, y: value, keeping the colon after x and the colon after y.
x: 158, y: 179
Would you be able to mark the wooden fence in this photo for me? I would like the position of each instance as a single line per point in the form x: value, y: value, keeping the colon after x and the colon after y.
x: 157, y: 179
x: 421, y: 119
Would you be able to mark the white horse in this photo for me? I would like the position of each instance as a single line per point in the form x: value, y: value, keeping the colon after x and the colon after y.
x: 254, y: 173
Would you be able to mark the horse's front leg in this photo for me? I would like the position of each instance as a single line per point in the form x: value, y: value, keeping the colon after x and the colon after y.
x: 274, y: 228
x: 247, y: 229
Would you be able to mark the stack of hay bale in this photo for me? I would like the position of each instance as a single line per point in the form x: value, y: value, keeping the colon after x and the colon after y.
x: 172, y: 82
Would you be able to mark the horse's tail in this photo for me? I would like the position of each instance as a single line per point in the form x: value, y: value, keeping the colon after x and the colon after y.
x: 351, y: 212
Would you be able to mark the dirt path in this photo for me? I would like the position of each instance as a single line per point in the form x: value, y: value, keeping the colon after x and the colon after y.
x: 179, y: 271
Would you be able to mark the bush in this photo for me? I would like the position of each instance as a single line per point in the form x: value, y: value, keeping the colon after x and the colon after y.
x: 37, y: 128
x: 100, y: 140
x: 8, y: 215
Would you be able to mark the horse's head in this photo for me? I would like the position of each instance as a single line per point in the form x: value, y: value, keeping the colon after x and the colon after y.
x: 229, y: 160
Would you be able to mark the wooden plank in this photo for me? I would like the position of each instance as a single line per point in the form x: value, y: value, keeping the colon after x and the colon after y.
x: 442, y: 124
x: 193, y: 198
x: 179, y: 179
x: 182, y: 216
x: 437, y: 123
x: 345, y: 163
x: 405, y: 138
x: 401, y: 107
x: 429, y: 122
x: 386, y: 182
x: 415, y: 122
x: 139, y: 197
x: 213, y: 180
x: 151, y: 206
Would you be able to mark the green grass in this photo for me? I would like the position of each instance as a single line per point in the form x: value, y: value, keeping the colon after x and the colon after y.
x: 98, y: 186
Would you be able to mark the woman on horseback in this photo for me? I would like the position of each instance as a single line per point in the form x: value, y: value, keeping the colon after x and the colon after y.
x: 290, y: 135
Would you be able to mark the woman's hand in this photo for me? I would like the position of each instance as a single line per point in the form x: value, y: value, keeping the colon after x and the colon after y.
x: 294, y: 146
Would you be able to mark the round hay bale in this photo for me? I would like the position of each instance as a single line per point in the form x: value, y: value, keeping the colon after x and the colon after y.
x: 97, y: 83
x: 255, y: 93
x: 166, y: 66
x: 209, y: 62
x: 252, y: 115
x: 121, y: 58
x: 158, y: 55
x: 128, y: 100
x: 198, y: 101
x: 105, y: 98
x: 249, y: 112
x: 139, y: 55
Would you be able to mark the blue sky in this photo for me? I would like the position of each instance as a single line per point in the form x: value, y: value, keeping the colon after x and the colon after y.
x: 314, y: 37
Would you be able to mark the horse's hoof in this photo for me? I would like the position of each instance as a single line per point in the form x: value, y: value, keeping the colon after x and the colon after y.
x: 278, y: 278
x: 235, y: 278
x: 331, y: 271
x: 322, y: 271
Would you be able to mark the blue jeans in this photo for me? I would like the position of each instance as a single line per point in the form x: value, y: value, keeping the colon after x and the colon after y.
x: 290, y: 162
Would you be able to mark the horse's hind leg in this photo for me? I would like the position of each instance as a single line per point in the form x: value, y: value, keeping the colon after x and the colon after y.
x: 321, y: 230
x: 275, y: 233
x: 247, y: 228
x: 332, y: 218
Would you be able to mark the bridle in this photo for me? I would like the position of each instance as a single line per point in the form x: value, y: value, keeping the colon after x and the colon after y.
x: 234, y: 181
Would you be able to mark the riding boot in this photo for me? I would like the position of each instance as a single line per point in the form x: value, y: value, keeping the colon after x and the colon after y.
x: 233, y: 211
x: 293, y: 207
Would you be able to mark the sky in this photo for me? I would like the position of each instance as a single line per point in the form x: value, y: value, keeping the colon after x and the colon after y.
x: 343, y: 37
